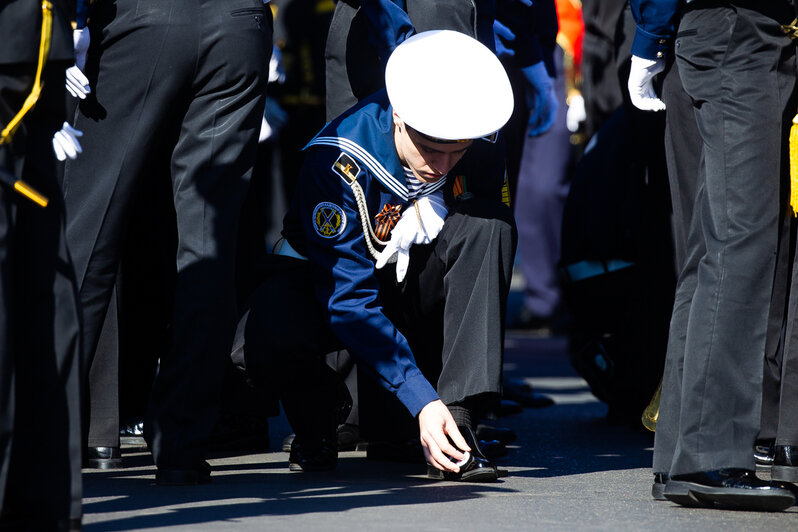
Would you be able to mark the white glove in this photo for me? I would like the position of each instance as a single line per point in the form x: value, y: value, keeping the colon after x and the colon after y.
x: 408, y: 231
x: 76, y: 82
x: 641, y: 86
x: 575, y: 114
x: 65, y: 142
x: 432, y: 210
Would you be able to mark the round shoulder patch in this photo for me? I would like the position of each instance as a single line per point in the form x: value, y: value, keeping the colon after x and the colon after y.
x: 329, y: 219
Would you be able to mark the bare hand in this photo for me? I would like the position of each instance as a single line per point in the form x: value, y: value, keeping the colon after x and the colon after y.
x: 435, y: 423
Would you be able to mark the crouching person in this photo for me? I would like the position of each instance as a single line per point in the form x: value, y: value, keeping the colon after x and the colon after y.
x: 397, y: 246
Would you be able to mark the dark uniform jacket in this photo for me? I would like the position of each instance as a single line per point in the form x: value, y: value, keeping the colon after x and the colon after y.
x: 324, y: 225
x: 656, y: 20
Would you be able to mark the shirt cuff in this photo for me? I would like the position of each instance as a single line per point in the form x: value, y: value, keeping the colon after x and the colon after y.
x: 650, y: 46
x: 416, y: 393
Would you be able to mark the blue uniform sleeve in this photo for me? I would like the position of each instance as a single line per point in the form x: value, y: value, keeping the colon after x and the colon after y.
x: 82, y: 12
x: 343, y: 276
x: 389, y: 25
x: 656, y: 25
x: 535, y: 27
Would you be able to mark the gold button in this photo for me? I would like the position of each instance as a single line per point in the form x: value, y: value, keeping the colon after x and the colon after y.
x: 660, y: 55
x: 662, y: 41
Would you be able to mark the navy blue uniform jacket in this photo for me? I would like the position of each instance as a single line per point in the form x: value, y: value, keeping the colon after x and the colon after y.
x: 323, y: 224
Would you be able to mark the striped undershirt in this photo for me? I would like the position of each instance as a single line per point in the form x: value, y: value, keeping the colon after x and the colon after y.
x: 416, y: 188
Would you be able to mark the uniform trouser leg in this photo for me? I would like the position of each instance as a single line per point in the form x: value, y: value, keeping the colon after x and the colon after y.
x: 741, y: 133
x: 787, y: 421
x: 682, y: 153
x: 352, y: 67
x: 40, y: 482
x: 104, y: 383
x: 777, y: 327
x: 281, y: 341
x: 211, y: 166
x: 453, y: 301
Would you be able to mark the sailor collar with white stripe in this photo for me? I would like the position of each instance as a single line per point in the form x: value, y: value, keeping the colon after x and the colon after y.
x: 365, y: 132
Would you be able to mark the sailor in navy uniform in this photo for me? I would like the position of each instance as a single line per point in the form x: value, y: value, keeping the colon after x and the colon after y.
x: 405, y: 175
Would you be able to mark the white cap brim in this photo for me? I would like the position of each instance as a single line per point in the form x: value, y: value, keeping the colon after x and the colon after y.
x: 448, y: 85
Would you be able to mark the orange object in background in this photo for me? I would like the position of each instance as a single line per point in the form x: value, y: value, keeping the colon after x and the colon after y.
x: 572, y: 28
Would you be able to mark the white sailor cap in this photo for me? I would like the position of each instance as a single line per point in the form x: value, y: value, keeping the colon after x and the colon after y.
x: 448, y: 86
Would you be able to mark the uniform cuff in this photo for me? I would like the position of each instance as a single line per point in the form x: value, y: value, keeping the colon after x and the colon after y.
x: 416, y: 393
x: 650, y: 46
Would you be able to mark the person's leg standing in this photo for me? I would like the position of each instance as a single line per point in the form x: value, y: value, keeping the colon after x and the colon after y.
x: 124, y: 121
x: 683, y: 155
x: 723, y: 53
x: 211, y: 166
x: 40, y: 326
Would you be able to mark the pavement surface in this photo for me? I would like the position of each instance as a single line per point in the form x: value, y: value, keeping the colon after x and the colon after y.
x: 570, y: 470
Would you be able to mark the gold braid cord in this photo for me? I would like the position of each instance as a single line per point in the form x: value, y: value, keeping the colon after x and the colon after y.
x: 33, y: 97
x: 794, y: 166
x: 362, y: 209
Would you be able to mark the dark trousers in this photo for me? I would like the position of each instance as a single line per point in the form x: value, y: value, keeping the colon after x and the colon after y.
x: 187, y: 77
x: 40, y: 482
x: 726, y: 56
x: 354, y: 69
x: 683, y: 154
x: 450, y: 307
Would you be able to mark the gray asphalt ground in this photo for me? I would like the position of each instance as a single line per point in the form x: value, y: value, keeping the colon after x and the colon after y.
x: 569, y: 471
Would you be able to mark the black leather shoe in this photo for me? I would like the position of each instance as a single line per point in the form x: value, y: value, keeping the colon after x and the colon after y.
x: 492, y: 449
x: 785, y: 463
x: 487, y: 433
x: 309, y: 455
x: 103, y: 458
x: 184, y: 477
x: 738, y: 489
x: 763, y: 454
x: 476, y: 469
x: 658, y: 488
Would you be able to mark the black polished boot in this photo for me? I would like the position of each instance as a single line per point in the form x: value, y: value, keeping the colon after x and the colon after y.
x: 785, y: 463
x: 738, y: 489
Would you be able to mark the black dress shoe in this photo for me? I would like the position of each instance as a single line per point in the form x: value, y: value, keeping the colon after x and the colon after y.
x: 103, y: 458
x: 785, y: 463
x: 313, y: 455
x: 184, y: 477
x: 492, y: 449
x: 476, y: 469
x: 763, y: 454
x: 487, y: 433
x: 658, y: 488
x: 738, y: 489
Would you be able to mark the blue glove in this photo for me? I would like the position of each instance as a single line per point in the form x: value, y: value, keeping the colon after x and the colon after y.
x: 502, y: 34
x: 541, y: 98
